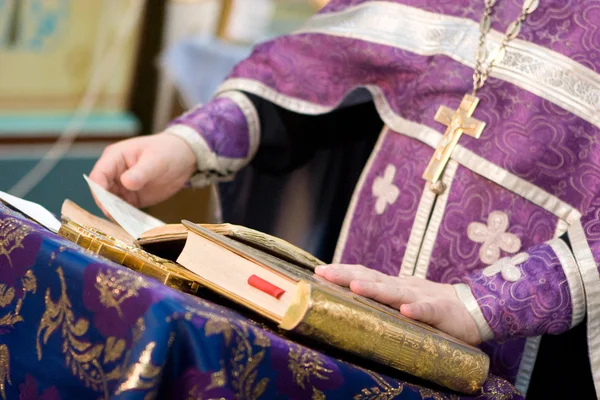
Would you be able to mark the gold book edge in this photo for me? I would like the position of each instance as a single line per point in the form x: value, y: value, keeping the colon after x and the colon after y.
x: 262, y: 241
x: 315, y: 307
x: 167, y: 272
x: 290, y: 271
x: 266, y: 242
x: 411, y: 345
x: 374, y: 335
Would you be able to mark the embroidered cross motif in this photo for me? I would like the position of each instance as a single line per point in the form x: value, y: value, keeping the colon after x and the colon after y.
x: 494, y: 237
x: 458, y: 122
x: 508, y: 267
x: 384, y: 190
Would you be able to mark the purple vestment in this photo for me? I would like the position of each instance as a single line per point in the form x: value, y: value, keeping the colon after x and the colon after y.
x: 510, y: 195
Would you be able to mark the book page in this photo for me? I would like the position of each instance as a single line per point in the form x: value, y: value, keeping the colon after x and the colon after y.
x: 134, y: 221
x: 33, y: 211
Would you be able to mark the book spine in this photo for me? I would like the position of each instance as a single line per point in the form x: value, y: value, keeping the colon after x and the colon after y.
x: 135, y: 259
x: 359, y: 329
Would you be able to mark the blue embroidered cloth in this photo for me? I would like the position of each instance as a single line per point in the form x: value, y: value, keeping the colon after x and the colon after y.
x: 75, y: 326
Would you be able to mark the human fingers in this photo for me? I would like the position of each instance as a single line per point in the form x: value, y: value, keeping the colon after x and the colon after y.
x: 109, y: 167
x: 392, y: 295
x: 423, y: 311
x: 146, y: 169
x: 342, y: 274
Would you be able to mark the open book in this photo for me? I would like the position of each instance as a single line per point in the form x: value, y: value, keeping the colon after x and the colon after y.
x: 275, y: 280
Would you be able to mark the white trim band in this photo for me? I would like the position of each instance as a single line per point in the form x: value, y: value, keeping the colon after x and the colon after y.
x: 463, y: 291
x: 435, y: 222
x: 252, y: 119
x: 206, y: 158
x: 417, y: 233
x: 539, y: 70
x: 591, y: 282
x: 569, y: 266
x: 530, y: 352
x: 425, y: 134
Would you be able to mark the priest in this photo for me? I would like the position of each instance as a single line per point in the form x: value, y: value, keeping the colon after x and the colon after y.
x: 478, y: 211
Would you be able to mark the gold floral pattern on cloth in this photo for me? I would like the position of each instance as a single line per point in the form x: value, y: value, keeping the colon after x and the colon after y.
x: 87, y: 361
x: 305, y: 363
x: 248, y: 344
x: 143, y: 375
x: 494, y: 237
x: 17, y: 282
x: 12, y: 234
x: 7, y: 295
x: 508, y: 267
x: 382, y: 390
x: 118, y: 285
x: 4, y: 369
x: 217, y: 381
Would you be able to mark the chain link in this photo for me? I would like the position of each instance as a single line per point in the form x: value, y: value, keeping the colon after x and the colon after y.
x: 480, y: 74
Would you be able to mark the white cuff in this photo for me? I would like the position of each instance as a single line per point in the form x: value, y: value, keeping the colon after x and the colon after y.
x: 463, y: 291
x: 571, y: 271
x: 212, y: 167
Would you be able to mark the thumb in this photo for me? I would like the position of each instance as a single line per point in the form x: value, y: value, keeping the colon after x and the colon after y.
x: 422, y: 311
x: 146, y: 169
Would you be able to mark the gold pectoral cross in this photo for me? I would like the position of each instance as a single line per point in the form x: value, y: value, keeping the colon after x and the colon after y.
x: 458, y: 122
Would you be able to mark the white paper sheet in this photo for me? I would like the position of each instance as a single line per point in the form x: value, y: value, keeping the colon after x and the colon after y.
x: 33, y: 210
x: 133, y: 220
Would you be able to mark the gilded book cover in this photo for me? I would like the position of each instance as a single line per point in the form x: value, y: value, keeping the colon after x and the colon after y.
x: 338, y: 317
x: 319, y: 310
x: 97, y: 242
x: 174, y: 235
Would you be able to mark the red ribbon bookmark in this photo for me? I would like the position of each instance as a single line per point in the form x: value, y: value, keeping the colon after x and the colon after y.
x: 265, y: 286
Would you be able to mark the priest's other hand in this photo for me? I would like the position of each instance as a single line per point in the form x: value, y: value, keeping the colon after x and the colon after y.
x: 145, y: 170
x: 435, y: 304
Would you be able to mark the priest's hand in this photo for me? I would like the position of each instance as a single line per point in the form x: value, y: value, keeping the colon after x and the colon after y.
x: 435, y: 304
x: 145, y: 170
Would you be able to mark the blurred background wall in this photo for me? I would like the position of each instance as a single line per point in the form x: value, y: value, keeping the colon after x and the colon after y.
x: 53, y: 53
x: 77, y: 75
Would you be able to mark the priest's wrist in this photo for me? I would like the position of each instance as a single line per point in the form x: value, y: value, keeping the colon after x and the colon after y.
x: 528, y: 294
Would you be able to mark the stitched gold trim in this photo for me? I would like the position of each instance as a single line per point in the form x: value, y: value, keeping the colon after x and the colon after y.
x: 591, y: 283
x: 436, y: 220
x: 539, y: 70
x: 463, y: 291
